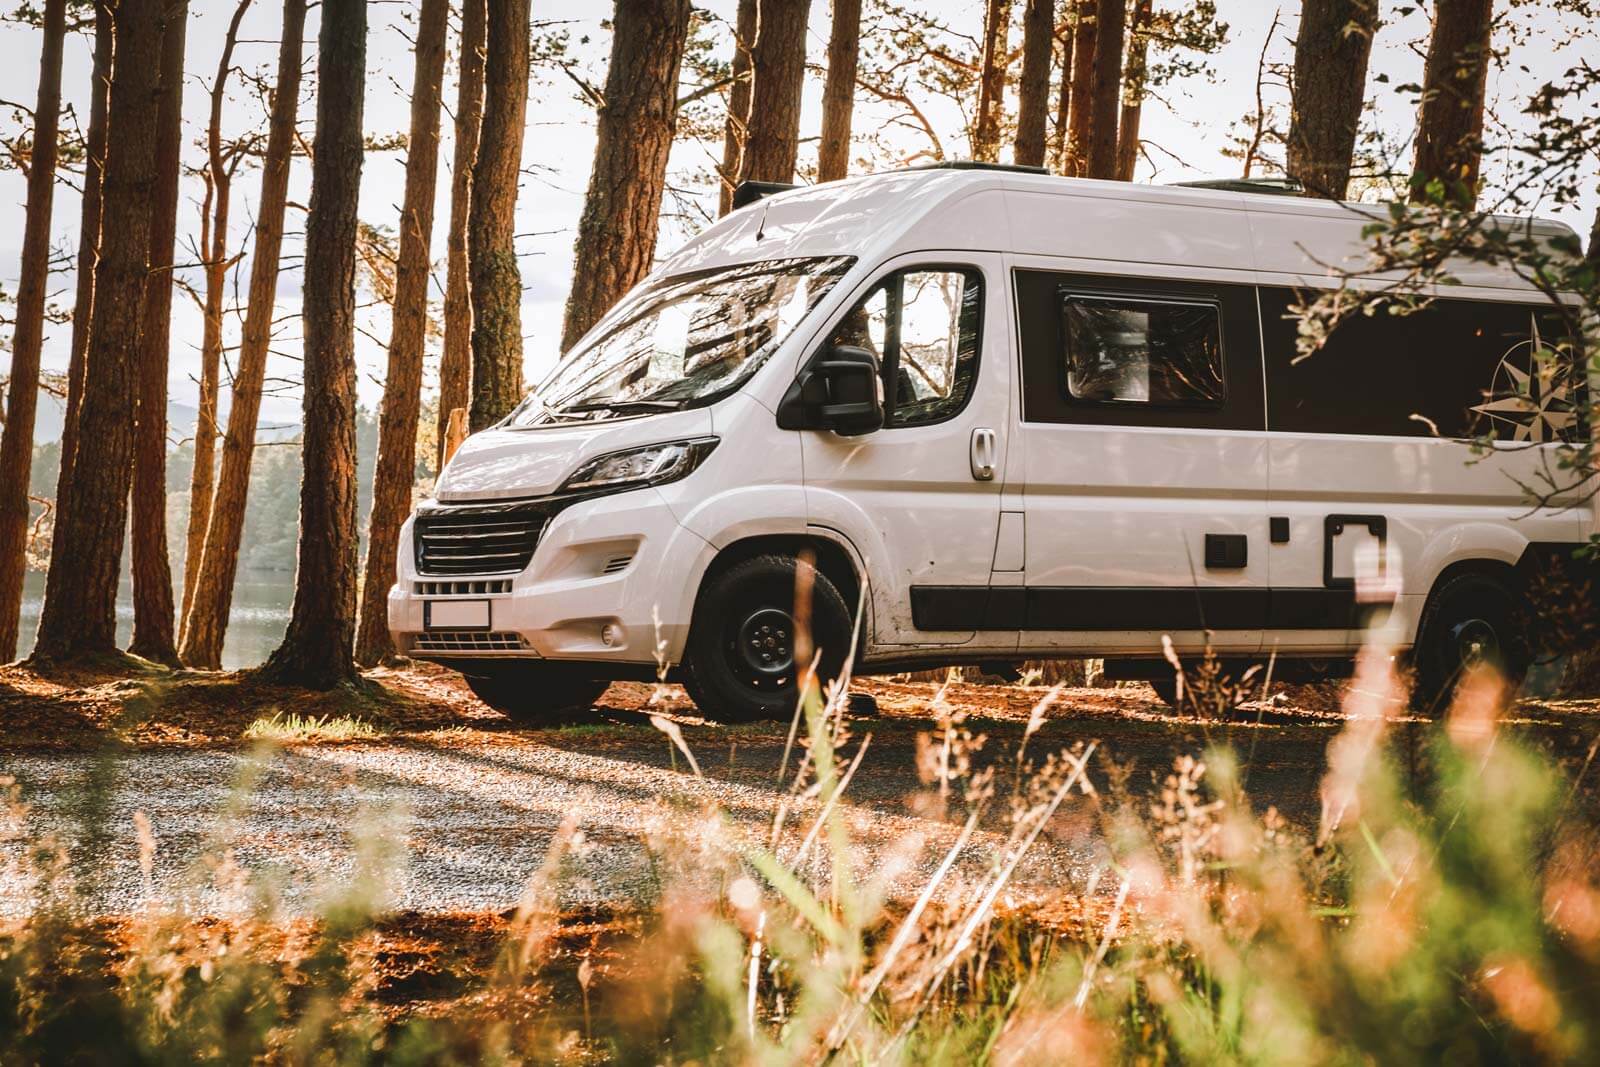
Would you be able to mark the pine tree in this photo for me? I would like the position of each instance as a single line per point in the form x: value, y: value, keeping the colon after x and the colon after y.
x: 1330, y: 73
x: 496, y: 279
x: 1450, y: 119
x: 153, y: 613
x: 207, y: 622
x: 839, y: 91
x: 79, y: 616
x: 778, y: 71
x: 455, y: 364
x: 27, y: 340
x: 318, y: 649
x: 1033, y: 93
x: 622, y: 210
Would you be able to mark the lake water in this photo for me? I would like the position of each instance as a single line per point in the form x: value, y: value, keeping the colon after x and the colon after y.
x: 261, y: 602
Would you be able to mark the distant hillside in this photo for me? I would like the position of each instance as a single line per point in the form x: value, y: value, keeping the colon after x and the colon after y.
x: 180, y: 422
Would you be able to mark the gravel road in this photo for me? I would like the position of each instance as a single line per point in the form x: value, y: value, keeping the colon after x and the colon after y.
x: 464, y: 824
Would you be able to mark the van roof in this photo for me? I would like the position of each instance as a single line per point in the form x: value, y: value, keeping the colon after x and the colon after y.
x: 1028, y: 212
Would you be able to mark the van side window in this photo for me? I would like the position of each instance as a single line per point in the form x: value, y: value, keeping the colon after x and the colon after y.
x: 1453, y: 368
x: 923, y: 325
x: 1131, y: 350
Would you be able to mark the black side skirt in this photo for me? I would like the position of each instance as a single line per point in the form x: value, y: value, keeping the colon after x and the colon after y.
x: 1103, y: 608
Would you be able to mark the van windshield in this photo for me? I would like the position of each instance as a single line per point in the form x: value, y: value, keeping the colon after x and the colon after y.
x: 684, y: 342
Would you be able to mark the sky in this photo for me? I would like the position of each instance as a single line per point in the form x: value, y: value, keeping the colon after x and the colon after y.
x: 1187, y: 125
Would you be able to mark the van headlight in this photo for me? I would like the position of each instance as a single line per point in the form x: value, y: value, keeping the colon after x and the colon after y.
x: 648, y: 465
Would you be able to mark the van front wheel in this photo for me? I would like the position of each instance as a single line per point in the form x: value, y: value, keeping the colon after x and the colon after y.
x: 743, y: 659
x: 530, y: 694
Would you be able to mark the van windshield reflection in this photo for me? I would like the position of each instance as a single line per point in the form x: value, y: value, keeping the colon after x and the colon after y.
x: 684, y: 342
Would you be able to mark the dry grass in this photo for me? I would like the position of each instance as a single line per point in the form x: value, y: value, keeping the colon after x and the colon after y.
x: 1449, y: 910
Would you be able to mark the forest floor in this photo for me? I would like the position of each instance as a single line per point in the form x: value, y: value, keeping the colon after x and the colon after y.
x: 468, y: 805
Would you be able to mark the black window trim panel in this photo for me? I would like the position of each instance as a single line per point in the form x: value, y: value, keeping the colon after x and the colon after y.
x: 1042, y: 379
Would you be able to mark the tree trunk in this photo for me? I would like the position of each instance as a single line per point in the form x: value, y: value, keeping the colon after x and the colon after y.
x: 1033, y: 95
x: 1450, y: 120
x: 318, y: 650
x: 1330, y: 75
x: 839, y: 91
x: 214, y: 246
x: 1133, y: 82
x: 27, y: 341
x: 153, y: 636
x: 79, y: 617
x: 778, y: 70
x: 402, y: 387
x: 1080, y: 122
x: 734, y: 129
x: 455, y: 365
x: 992, y: 81
x: 88, y: 241
x: 496, y: 280
x: 1058, y: 134
x: 207, y: 623
x: 1111, y: 17
x: 622, y: 210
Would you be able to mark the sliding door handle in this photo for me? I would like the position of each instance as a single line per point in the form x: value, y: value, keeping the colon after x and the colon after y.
x: 985, y: 454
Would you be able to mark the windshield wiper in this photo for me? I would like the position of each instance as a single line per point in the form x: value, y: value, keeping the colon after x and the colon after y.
x: 620, y: 405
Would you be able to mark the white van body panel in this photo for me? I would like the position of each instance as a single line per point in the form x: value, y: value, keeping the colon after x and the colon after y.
x: 1084, y: 507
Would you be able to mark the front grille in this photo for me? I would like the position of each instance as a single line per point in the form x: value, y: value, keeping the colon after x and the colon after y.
x: 476, y: 542
x: 467, y: 641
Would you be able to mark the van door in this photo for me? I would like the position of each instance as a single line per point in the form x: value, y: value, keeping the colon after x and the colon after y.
x: 1143, y: 433
x: 920, y: 498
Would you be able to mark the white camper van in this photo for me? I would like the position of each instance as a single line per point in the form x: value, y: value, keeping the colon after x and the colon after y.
x: 1010, y: 416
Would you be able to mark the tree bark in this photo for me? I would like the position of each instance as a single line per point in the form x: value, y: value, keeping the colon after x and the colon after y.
x: 1080, y: 122
x: 778, y: 72
x: 496, y: 280
x: 1133, y: 82
x: 1058, y: 133
x: 79, y: 618
x: 402, y: 388
x: 318, y: 649
x: 455, y: 365
x: 622, y: 210
x: 992, y: 81
x: 153, y: 636
x: 27, y: 341
x: 839, y: 91
x: 1033, y: 95
x: 1450, y: 120
x: 207, y: 622
x: 735, y: 128
x: 1330, y: 74
x: 1111, y: 17
x: 88, y: 241
x: 214, y: 246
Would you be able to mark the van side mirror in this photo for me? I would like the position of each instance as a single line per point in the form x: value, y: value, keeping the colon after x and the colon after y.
x: 839, y: 389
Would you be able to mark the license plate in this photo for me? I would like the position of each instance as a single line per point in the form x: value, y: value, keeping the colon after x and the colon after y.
x: 455, y: 615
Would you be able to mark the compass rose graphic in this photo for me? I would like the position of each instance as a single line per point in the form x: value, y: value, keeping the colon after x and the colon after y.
x: 1535, y: 405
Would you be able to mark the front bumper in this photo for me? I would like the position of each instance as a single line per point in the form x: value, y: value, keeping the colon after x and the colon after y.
x: 611, y: 581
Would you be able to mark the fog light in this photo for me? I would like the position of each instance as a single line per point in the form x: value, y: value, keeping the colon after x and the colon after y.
x: 610, y: 634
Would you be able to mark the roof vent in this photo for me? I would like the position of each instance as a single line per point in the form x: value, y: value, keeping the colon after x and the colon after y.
x: 1266, y: 186
x: 748, y: 192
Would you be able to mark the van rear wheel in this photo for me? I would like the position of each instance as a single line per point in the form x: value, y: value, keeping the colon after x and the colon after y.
x: 1470, y: 621
x: 531, y: 694
x: 743, y: 659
